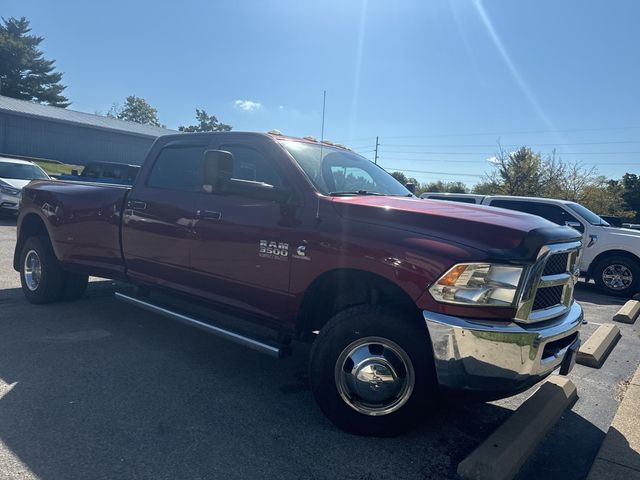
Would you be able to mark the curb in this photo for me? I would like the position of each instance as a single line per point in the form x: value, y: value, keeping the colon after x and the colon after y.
x: 596, y: 349
x: 619, y: 454
x: 628, y: 313
x: 502, y: 454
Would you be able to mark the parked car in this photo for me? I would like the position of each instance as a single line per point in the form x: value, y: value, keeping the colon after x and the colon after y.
x: 105, y: 172
x: 611, y: 255
x: 311, y: 241
x: 15, y: 174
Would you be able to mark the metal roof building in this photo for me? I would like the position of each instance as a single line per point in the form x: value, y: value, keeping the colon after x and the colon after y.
x: 33, y: 130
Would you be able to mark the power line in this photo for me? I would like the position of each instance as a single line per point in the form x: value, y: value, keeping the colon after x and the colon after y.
x: 524, y: 132
x: 484, y: 161
x: 510, y: 145
x: 423, y: 152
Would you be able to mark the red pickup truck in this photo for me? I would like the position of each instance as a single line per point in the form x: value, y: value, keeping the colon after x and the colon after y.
x: 403, y: 298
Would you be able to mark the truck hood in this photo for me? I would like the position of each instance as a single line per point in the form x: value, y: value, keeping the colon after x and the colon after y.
x: 624, y: 234
x: 503, y: 233
x: 14, y: 182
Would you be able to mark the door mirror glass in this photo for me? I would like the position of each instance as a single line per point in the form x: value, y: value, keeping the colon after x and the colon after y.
x: 574, y: 224
x: 218, y: 170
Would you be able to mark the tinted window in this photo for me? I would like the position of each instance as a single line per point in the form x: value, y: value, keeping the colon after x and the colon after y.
x: 21, y: 171
x: 587, y: 214
x: 251, y: 164
x: 178, y: 168
x: 452, y: 199
x: 93, y: 170
x: 553, y: 213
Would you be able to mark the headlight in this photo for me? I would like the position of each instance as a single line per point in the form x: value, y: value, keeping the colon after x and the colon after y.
x: 478, y: 284
x: 9, y: 190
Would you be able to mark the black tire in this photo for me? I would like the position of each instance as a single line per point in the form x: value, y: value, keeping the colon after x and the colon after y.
x: 50, y: 280
x: 339, y: 335
x: 75, y: 284
x: 624, y: 262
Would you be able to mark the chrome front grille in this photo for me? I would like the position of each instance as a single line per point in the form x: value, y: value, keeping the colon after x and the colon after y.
x: 548, y: 288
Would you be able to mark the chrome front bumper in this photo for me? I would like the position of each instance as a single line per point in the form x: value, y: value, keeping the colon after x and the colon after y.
x: 492, y: 356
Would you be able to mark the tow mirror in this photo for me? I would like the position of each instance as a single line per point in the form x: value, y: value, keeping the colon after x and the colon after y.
x: 218, y: 169
x: 411, y: 187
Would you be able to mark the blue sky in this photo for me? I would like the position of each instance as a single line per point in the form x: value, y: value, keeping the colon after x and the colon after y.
x: 439, y: 81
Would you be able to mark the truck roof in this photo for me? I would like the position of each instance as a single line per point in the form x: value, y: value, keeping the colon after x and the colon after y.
x: 481, y: 198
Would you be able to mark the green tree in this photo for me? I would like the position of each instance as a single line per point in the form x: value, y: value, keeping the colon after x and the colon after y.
x: 445, y: 187
x: 631, y: 192
x: 24, y: 72
x: 488, y: 186
x: 135, y: 109
x: 206, y: 123
x: 605, y: 197
x: 520, y: 172
x: 401, y: 177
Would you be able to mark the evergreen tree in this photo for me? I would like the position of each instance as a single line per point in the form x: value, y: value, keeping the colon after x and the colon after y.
x: 24, y: 72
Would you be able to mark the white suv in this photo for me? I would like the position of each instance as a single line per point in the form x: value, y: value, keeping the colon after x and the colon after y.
x: 15, y: 174
x: 610, y: 255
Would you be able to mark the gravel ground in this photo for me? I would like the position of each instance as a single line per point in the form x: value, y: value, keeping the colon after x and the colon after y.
x: 99, y: 389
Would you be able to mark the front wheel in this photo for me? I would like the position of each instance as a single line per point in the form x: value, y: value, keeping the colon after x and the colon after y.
x: 617, y: 275
x: 371, y: 371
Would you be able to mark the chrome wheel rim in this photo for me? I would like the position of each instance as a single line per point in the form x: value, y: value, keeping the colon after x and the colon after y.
x: 374, y: 376
x: 32, y: 270
x: 617, y: 276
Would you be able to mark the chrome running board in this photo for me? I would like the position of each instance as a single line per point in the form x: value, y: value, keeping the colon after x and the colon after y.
x: 264, y: 346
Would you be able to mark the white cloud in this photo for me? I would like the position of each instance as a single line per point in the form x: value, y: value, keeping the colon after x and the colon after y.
x: 247, y: 105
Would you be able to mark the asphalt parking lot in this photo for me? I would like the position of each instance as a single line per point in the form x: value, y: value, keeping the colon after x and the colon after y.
x: 99, y: 389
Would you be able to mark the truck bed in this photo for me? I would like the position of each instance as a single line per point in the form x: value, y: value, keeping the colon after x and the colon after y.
x: 84, y: 222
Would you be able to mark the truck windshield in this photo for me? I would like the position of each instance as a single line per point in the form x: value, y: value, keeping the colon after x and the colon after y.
x: 587, y: 214
x: 335, y: 171
x: 21, y: 171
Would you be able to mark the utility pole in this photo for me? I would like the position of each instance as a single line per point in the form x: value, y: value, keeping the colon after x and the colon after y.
x: 375, y: 159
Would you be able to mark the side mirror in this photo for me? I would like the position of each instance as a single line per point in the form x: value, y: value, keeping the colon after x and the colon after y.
x: 218, y: 169
x: 577, y: 225
x: 411, y: 187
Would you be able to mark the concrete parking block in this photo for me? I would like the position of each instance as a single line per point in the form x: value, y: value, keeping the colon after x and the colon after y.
x: 628, y: 312
x: 501, y: 455
x: 596, y: 349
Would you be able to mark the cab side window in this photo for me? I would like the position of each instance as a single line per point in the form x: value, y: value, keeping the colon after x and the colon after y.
x: 178, y: 168
x: 251, y: 164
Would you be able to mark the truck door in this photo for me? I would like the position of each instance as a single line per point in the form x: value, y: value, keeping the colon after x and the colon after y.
x: 243, y: 246
x: 157, y: 231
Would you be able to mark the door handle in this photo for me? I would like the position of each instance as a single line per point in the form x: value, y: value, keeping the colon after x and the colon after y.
x: 208, y: 214
x: 136, y: 205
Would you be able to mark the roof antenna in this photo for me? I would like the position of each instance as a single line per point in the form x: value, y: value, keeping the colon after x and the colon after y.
x: 324, y: 104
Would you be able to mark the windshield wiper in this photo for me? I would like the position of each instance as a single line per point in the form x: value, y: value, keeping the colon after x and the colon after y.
x: 356, y: 192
